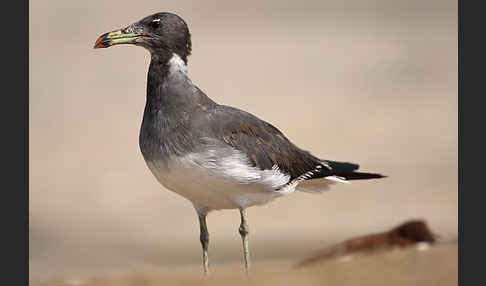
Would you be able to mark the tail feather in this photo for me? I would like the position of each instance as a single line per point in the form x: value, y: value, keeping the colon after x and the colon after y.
x: 362, y: 176
x: 348, y: 171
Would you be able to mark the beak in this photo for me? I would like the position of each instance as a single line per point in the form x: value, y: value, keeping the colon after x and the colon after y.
x: 117, y: 37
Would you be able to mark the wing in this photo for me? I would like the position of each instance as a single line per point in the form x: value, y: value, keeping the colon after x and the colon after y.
x: 264, y: 144
x: 267, y: 147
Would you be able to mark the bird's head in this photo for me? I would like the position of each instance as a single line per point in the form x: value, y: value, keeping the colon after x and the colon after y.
x: 159, y: 33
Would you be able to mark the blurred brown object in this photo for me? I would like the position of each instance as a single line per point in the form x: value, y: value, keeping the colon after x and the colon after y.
x: 404, y: 235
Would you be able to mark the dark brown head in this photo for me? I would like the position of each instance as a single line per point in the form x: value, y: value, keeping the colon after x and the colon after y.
x: 160, y: 33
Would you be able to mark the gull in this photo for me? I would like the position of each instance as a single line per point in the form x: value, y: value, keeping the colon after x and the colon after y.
x: 216, y: 156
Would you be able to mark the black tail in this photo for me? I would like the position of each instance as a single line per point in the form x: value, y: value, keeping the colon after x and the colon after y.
x: 347, y: 170
x: 361, y: 176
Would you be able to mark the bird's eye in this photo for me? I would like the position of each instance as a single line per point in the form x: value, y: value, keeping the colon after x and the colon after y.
x: 155, y: 23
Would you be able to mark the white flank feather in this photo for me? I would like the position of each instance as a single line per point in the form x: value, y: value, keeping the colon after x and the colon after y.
x: 319, y: 185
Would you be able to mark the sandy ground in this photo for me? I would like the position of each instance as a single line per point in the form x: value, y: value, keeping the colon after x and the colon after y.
x: 436, y: 265
x: 371, y: 82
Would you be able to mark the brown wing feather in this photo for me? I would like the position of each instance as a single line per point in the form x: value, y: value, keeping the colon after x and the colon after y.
x: 265, y: 145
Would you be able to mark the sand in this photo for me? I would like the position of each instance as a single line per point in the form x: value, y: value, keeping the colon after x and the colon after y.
x: 435, y: 265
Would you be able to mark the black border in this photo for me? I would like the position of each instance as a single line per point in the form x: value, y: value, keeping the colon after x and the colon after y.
x: 15, y: 144
x: 471, y: 142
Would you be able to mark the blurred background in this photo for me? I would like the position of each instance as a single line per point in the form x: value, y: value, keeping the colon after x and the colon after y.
x: 372, y: 82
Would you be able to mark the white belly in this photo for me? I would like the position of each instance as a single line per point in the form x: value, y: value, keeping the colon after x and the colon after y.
x: 223, y: 178
x: 209, y: 188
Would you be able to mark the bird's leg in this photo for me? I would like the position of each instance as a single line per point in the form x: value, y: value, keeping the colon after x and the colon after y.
x: 244, y: 231
x: 204, y: 237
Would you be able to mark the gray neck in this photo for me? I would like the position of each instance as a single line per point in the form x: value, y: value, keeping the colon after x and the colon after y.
x: 173, y: 104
